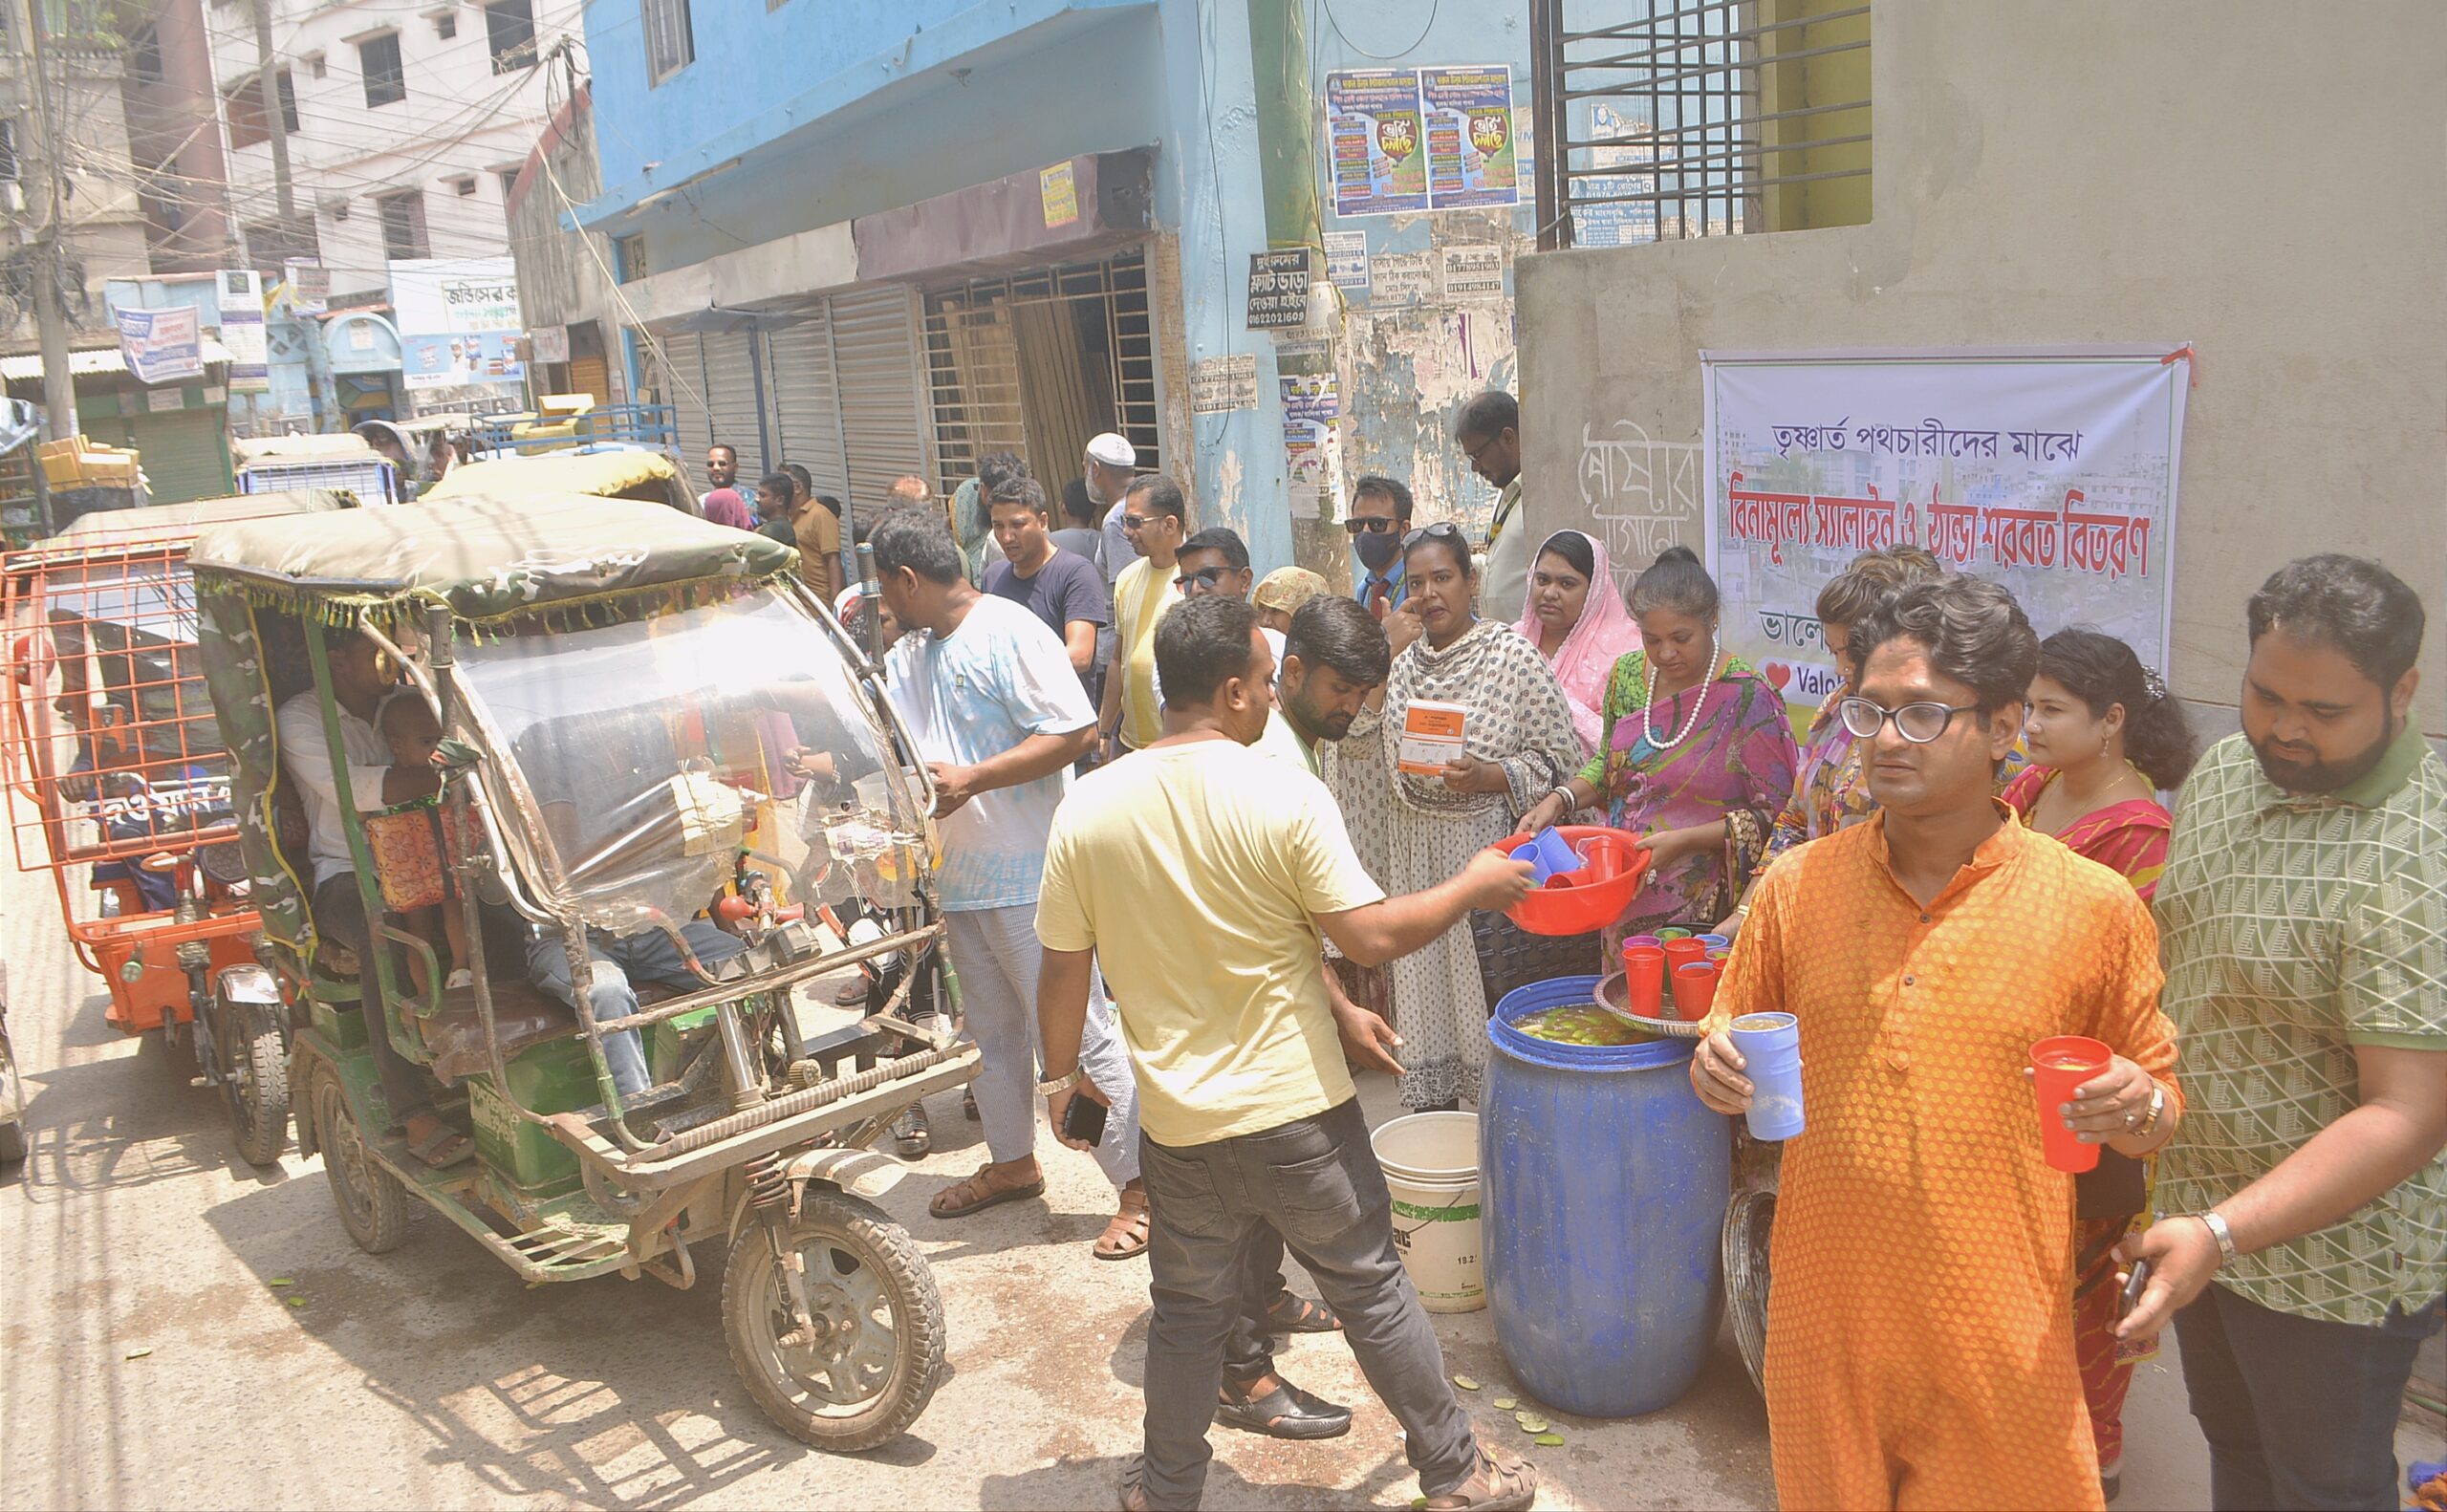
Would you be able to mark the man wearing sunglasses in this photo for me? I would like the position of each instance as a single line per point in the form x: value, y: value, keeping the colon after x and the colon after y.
x: 1924, y: 1248
x: 1154, y: 517
x: 1380, y: 516
x: 1215, y: 561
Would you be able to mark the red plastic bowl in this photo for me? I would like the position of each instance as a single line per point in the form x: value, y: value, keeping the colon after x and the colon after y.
x: 1578, y: 910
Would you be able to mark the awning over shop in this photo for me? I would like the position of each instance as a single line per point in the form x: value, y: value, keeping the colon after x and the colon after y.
x: 93, y: 363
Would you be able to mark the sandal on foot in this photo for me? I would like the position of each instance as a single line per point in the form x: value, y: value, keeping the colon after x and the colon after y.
x: 1285, y: 1412
x: 1125, y: 1238
x: 911, y: 1134
x: 1293, y: 1314
x: 978, y: 1191
x: 1499, y: 1485
x: 442, y: 1146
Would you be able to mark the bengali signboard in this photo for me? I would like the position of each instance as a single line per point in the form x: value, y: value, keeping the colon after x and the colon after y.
x: 2053, y: 474
x: 1470, y: 154
x: 242, y: 330
x: 161, y: 346
x: 1278, y: 290
x: 459, y: 321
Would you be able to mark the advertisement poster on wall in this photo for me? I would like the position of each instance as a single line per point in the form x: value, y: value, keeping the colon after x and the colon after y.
x: 1626, y: 150
x: 1311, y: 436
x: 459, y: 321
x: 242, y: 330
x: 1373, y: 141
x: 2050, y: 472
x: 1470, y: 152
x: 161, y: 346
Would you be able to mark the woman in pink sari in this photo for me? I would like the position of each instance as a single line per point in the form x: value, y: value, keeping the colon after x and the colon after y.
x: 1577, y: 621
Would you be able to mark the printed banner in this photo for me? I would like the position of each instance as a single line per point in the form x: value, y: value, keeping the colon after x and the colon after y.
x: 1470, y: 155
x: 242, y: 332
x: 459, y: 321
x: 1311, y: 440
x: 1372, y: 141
x: 2052, y: 475
x: 161, y: 346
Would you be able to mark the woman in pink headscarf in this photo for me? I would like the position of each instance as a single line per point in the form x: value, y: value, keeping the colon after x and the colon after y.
x: 1574, y: 617
x: 725, y: 507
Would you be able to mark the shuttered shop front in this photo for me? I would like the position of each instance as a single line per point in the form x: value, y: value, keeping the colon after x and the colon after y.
x: 879, y: 370
x: 803, y: 399
x: 185, y: 453
x: 732, y: 410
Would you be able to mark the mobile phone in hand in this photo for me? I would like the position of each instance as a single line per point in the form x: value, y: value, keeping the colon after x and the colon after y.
x: 2133, y: 1286
x: 1084, y: 1120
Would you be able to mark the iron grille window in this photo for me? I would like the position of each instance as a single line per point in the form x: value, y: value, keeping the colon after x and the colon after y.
x: 403, y: 234
x: 1700, y: 117
x: 1039, y: 363
x: 671, y: 42
x: 509, y: 29
x: 386, y: 78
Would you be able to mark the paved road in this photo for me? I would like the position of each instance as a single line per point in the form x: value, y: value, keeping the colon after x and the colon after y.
x: 432, y: 1377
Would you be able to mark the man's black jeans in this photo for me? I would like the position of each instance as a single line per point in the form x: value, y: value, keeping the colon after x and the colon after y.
x: 1316, y: 1182
x: 2299, y: 1412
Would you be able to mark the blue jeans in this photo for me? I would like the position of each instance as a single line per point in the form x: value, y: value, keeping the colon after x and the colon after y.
x: 2299, y: 1412
x: 648, y: 956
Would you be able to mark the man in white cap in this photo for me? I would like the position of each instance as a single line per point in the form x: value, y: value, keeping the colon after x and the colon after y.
x: 1112, y: 461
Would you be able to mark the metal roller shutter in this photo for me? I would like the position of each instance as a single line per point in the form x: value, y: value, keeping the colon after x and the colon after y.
x: 805, y: 400
x: 681, y: 378
x: 185, y: 453
x: 881, y: 373
x: 730, y: 399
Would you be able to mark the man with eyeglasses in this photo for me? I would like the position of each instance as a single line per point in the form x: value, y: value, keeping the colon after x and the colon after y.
x: 1216, y: 561
x: 1154, y: 517
x: 1380, y: 516
x: 1488, y: 432
x: 1923, y: 1246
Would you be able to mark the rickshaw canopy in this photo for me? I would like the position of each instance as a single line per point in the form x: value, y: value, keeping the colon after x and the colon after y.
x: 488, y: 558
x: 160, y: 520
x: 609, y: 474
x: 254, y: 451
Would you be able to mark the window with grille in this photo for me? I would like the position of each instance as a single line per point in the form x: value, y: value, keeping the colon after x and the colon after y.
x: 404, y: 233
x: 247, y: 126
x: 386, y: 78
x: 1039, y: 363
x: 1700, y: 117
x: 145, y: 56
x: 509, y: 29
x: 671, y: 42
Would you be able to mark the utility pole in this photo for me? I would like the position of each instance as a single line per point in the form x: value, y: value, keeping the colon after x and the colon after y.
x: 277, y: 125
x: 48, y: 253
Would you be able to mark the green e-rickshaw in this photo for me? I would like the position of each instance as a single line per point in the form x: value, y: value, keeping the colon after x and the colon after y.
x: 648, y: 726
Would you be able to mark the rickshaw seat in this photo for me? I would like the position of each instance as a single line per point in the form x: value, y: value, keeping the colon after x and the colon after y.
x: 524, y: 1015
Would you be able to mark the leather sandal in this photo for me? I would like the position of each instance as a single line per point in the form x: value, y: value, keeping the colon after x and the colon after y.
x: 1290, y: 1313
x: 1507, y: 1484
x: 980, y: 1191
x: 1125, y: 1238
x: 1285, y: 1411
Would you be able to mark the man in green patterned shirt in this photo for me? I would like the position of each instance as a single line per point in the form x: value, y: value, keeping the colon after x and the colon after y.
x: 2304, y: 919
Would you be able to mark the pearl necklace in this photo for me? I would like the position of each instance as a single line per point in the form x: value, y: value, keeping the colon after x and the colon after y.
x: 1697, y: 703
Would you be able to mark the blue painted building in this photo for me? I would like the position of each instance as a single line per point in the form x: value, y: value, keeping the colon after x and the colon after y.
x: 879, y: 237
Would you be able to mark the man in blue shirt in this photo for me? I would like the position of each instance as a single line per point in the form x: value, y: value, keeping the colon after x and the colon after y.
x: 1380, y: 516
x: 996, y: 710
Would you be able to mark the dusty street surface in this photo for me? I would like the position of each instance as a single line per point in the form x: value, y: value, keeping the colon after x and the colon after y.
x: 432, y: 1377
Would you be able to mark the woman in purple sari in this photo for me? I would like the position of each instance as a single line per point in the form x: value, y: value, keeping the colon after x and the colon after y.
x: 1697, y: 756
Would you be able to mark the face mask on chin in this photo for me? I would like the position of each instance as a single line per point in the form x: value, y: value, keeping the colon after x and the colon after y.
x: 1376, y: 549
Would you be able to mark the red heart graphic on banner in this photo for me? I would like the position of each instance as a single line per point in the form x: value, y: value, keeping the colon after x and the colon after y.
x: 1778, y: 674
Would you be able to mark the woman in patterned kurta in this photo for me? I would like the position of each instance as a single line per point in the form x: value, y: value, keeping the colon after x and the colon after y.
x: 2108, y: 739
x: 1918, y: 1347
x: 1519, y: 741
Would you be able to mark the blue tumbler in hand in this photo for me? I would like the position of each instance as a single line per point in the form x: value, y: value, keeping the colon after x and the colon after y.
x: 1769, y: 1045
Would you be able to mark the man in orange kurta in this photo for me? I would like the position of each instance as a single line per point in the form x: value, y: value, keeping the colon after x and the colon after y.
x: 1920, y: 1347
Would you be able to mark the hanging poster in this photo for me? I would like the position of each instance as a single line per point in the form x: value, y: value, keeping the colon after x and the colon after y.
x: 242, y: 332
x: 310, y: 286
x: 1221, y: 384
x: 1473, y: 273
x: 459, y: 321
x: 2052, y: 473
x: 1469, y: 117
x: 1372, y: 141
x: 1311, y: 436
x: 1059, y: 194
x: 1347, y: 261
x: 1401, y: 278
x: 160, y: 346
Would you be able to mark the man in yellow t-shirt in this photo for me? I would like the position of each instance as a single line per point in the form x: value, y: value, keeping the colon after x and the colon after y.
x: 1204, y: 876
x: 1154, y: 516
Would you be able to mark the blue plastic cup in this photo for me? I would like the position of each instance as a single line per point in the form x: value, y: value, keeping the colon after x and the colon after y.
x: 1769, y: 1045
x: 1715, y: 941
x: 1549, y: 853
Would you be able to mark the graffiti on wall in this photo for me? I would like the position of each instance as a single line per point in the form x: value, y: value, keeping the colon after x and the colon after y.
x: 1644, y: 494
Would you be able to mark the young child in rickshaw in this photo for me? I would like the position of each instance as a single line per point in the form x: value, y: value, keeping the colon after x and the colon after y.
x: 416, y: 876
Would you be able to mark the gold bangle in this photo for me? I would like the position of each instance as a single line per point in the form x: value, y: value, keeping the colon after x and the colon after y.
x: 2157, y: 1107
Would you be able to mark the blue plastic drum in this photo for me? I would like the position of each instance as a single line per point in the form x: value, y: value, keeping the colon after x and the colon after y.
x: 1605, y: 1180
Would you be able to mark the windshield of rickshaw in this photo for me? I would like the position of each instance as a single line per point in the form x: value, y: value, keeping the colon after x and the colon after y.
x: 654, y: 749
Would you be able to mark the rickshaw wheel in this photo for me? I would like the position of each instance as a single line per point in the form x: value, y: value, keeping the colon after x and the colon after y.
x: 878, y: 1351
x: 257, y: 1091
x: 374, y: 1207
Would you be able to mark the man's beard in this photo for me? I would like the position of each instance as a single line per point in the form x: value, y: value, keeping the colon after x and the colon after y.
x: 2325, y: 777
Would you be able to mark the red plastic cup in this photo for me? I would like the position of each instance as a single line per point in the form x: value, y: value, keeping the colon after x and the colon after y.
x: 1680, y: 952
x: 1602, y: 855
x: 1694, y: 991
x: 2059, y: 1066
x: 1567, y: 879
x: 1644, y: 980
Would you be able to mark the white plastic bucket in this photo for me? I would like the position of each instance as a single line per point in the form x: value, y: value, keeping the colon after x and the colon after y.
x: 1430, y: 1164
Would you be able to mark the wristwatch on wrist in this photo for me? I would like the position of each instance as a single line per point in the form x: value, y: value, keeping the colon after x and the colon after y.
x: 1063, y: 1083
x: 2158, y: 1106
x: 2216, y: 1227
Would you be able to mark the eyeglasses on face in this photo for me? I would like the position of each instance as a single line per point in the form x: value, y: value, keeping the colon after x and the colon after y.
x: 1204, y: 577
x: 1916, y: 722
x: 1132, y: 523
x: 1440, y: 530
